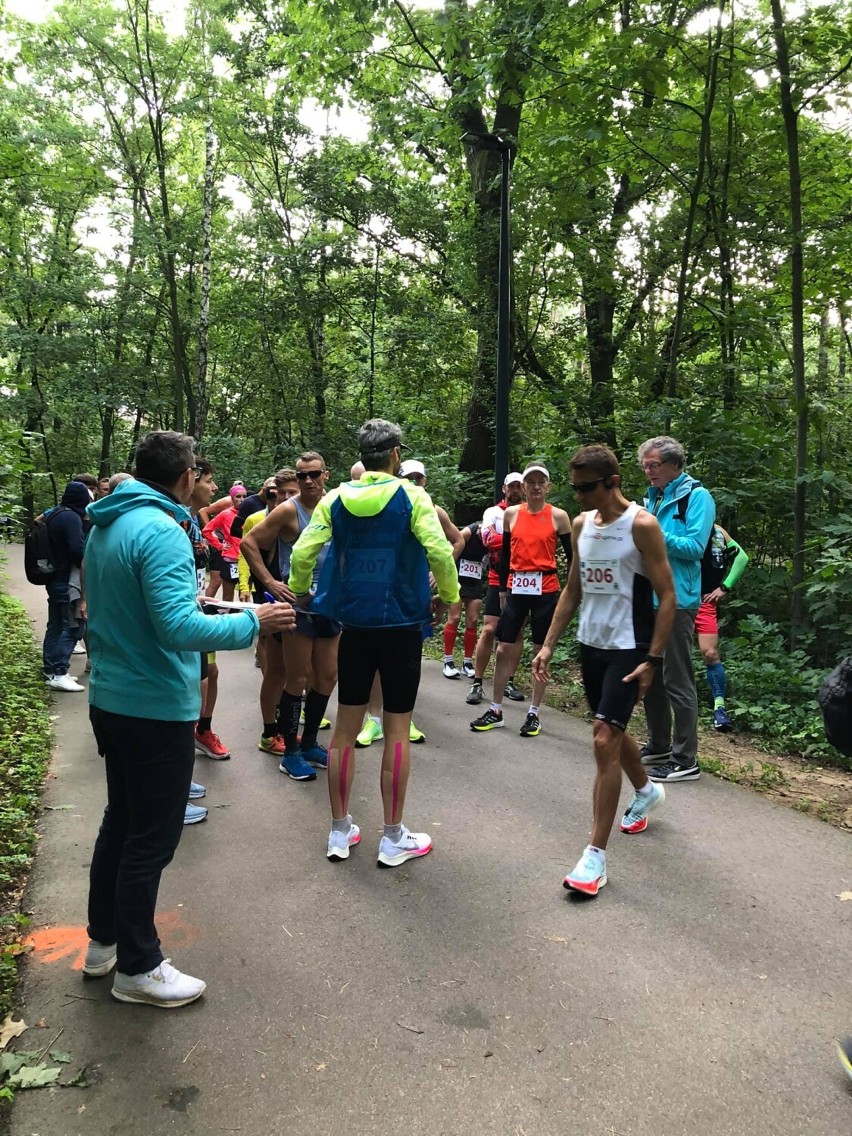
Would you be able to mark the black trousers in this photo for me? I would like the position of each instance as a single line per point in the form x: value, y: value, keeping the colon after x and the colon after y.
x: 148, y: 770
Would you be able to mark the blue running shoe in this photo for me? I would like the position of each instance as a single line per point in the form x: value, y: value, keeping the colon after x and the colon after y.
x: 316, y: 755
x: 196, y: 791
x: 636, y: 817
x: 721, y: 721
x: 194, y: 814
x: 295, y: 766
x: 589, y: 874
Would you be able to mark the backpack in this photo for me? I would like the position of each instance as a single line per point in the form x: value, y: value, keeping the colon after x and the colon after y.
x: 38, y: 562
x: 835, y: 700
x: 717, y: 556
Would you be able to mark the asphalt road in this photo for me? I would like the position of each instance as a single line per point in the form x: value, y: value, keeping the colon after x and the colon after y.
x: 466, y: 993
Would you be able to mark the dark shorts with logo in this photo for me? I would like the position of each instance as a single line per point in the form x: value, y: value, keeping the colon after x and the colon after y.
x: 610, y: 698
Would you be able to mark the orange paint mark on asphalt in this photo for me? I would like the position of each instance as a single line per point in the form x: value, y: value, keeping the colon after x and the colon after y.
x: 57, y: 944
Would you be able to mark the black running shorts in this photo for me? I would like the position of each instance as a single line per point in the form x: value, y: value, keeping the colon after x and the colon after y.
x: 492, y: 601
x: 394, y: 652
x: 216, y: 563
x: 610, y: 699
x: 540, y: 610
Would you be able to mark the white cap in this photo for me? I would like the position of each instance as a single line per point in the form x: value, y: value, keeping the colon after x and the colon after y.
x: 411, y: 466
x: 510, y: 477
x: 537, y: 468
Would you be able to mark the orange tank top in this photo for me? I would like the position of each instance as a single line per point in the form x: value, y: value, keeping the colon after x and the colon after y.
x: 534, y: 547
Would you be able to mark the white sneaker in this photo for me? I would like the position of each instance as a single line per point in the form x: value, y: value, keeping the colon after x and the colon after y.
x: 468, y: 669
x: 64, y: 682
x: 409, y: 846
x: 79, y: 648
x: 163, y: 986
x: 339, y: 843
x: 451, y: 670
x: 100, y: 959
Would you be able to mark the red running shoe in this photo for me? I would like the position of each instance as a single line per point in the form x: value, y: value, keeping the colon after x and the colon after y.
x: 211, y: 746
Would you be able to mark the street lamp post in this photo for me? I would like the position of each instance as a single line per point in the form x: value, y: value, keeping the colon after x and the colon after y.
x: 506, y: 150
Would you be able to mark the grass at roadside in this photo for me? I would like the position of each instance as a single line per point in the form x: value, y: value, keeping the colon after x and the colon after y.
x: 25, y: 743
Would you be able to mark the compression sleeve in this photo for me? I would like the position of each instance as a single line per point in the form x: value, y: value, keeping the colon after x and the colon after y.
x: 738, y: 566
x: 567, y: 547
x: 505, y: 560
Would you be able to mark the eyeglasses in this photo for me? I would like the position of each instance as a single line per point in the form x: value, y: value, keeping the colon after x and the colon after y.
x: 651, y: 467
x: 271, y: 492
x: 313, y: 474
x: 586, y: 486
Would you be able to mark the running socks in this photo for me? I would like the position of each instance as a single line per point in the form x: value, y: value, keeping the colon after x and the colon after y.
x: 270, y: 729
x: 450, y: 633
x: 394, y: 832
x: 205, y: 724
x: 716, y: 682
x: 470, y: 638
x: 315, y: 704
x: 289, y: 712
x: 343, y: 825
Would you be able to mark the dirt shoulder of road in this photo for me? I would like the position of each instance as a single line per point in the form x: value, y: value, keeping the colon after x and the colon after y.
x: 821, y: 791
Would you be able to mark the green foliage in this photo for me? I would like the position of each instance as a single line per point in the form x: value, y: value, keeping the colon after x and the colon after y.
x: 25, y: 744
x: 772, y: 691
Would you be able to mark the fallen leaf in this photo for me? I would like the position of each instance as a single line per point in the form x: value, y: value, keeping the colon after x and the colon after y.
x: 34, y: 1077
x: 78, y: 1081
x: 12, y: 1062
x: 60, y: 1056
x: 843, y: 896
x: 555, y: 939
x: 320, y: 1066
x: 11, y: 1029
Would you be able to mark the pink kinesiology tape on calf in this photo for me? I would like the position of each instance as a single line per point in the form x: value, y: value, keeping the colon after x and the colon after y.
x: 397, y: 769
x: 344, y: 772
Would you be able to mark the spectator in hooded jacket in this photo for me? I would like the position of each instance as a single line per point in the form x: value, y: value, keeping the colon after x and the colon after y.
x: 66, y: 611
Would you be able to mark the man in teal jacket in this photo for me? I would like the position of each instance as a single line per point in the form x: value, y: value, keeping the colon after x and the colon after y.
x: 145, y: 634
x: 385, y: 537
x: 686, y: 512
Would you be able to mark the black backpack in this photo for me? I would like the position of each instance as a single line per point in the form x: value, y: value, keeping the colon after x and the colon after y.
x: 717, y: 556
x: 38, y: 557
x: 835, y: 701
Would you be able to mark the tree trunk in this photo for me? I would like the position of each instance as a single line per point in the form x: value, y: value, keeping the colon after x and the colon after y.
x: 790, y: 116
x: 686, y: 251
x: 197, y: 427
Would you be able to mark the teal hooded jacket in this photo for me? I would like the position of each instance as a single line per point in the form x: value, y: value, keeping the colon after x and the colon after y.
x: 146, y: 629
x: 685, y: 539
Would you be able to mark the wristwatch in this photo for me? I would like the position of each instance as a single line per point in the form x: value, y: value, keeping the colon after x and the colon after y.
x: 654, y: 660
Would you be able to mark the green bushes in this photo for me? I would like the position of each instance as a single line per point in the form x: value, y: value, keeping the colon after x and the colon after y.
x: 25, y: 743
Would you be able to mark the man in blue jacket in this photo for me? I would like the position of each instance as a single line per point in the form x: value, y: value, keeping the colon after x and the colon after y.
x: 65, y: 609
x: 686, y: 512
x: 145, y: 634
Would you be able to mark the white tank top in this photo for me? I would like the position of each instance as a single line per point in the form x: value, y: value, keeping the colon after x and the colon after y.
x: 617, y: 609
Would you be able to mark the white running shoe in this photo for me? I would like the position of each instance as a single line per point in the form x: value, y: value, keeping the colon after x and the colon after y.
x: 163, y: 986
x: 468, y: 669
x: 79, y: 648
x: 451, y: 670
x: 339, y: 843
x: 64, y: 682
x: 409, y: 846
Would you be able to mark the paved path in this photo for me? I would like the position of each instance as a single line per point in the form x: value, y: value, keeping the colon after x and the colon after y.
x: 465, y: 994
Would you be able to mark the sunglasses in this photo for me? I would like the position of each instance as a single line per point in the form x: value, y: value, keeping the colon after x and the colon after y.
x: 586, y: 486
x: 271, y: 492
x: 313, y: 474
